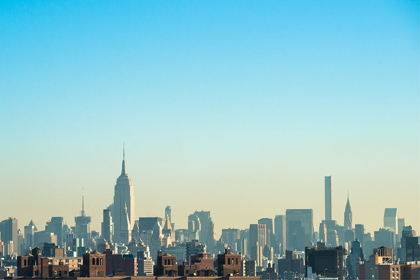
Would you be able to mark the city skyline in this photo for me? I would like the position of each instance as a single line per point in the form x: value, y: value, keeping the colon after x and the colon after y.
x: 337, y: 214
x: 249, y: 105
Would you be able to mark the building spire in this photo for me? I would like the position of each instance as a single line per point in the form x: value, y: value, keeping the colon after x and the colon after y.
x: 123, y: 171
x: 83, y: 201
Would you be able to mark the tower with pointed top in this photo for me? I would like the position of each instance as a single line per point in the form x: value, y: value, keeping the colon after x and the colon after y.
x: 348, y: 216
x: 83, y: 222
x: 123, y: 205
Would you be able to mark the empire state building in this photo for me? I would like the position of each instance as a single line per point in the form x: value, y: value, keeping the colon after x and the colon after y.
x: 123, y: 215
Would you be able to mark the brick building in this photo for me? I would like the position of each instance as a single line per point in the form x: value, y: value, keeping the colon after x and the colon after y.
x: 229, y: 264
x: 94, y: 265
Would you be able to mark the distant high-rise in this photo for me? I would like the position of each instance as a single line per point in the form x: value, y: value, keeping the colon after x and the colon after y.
x: 9, y: 234
x: 348, y: 216
x: 107, y: 225
x: 328, y: 198
x: 280, y: 232
x: 29, y: 233
x: 168, y: 213
x: 268, y: 222
x: 83, y: 223
x: 257, y: 235
x: 123, y: 197
x: 391, y: 219
x: 56, y: 227
x: 204, y: 218
x: 300, y: 229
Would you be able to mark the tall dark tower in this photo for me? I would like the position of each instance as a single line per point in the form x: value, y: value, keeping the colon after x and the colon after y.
x: 348, y: 216
x: 328, y: 198
x: 123, y: 197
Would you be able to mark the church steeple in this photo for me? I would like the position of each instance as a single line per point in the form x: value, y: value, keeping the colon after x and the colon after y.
x: 123, y: 171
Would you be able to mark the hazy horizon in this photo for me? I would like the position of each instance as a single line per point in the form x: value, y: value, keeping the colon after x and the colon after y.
x: 246, y: 106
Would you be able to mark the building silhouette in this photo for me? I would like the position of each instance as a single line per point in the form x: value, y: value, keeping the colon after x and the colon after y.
x: 348, y: 216
x: 82, y: 229
x: 107, y: 225
x: 328, y: 198
x: 123, y: 204
x: 299, y: 224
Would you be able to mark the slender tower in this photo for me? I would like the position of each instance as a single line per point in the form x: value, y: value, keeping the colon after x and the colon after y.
x: 348, y: 216
x: 328, y: 199
x: 123, y: 197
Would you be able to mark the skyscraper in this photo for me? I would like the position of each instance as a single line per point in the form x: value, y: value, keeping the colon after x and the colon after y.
x: 204, y: 218
x: 8, y: 230
x: 328, y: 199
x: 348, y: 216
x: 168, y: 212
x: 391, y: 219
x: 268, y: 222
x: 107, y: 225
x: 83, y: 223
x: 56, y: 227
x: 300, y: 229
x: 123, y: 197
x: 280, y: 232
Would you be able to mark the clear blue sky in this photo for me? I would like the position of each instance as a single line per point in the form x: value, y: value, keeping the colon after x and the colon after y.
x: 243, y: 103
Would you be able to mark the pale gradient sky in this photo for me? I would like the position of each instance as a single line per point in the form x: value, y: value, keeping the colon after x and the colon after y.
x: 243, y: 104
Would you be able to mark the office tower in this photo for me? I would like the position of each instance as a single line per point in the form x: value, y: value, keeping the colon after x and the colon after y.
x: 107, y: 226
x: 354, y: 258
x: 250, y: 268
x: 256, y: 253
x: 359, y: 232
x: 56, y: 227
x: 300, y: 229
x: 348, y: 216
x: 148, y: 223
x: 410, y: 247
x: 125, y: 228
x: 328, y: 198
x: 204, y: 218
x: 123, y: 197
x: 401, y: 225
x: 291, y: 263
x: 82, y: 229
x: 144, y: 263
x: 328, y: 262
x: 230, y: 236
x: 391, y: 219
x: 168, y: 212
x: 257, y: 235
x: 194, y: 227
x: 156, y: 240
x: 385, y: 237
x: 9, y: 234
x: 280, y: 232
x: 268, y: 222
x: 29, y: 233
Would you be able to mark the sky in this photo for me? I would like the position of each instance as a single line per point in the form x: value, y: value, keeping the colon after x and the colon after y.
x: 237, y: 107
